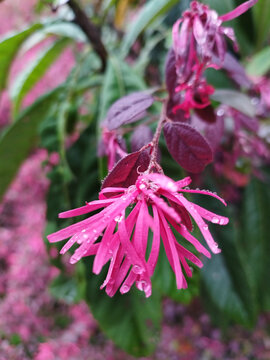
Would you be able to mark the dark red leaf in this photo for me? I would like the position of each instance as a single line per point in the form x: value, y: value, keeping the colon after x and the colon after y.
x: 183, y: 215
x: 207, y: 114
x: 128, y: 109
x: 126, y: 171
x: 170, y: 72
x: 234, y: 70
x: 178, y: 115
x: 187, y: 146
x: 141, y: 136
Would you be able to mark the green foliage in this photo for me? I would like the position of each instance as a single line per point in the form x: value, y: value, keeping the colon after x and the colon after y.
x: 149, y: 12
x: 17, y: 141
x: 130, y: 320
x: 235, y: 99
x: 261, y: 13
x: 227, y: 292
x: 119, y: 80
x: 260, y: 63
x: 9, y: 47
x: 64, y: 288
x: 253, y: 238
x: 34, y: 72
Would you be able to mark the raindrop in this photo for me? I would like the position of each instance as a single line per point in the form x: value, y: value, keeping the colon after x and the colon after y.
x: 137, y: 269
x: 124, y: 289
x: 118, y: 218
x: 215, y: 220
x: 85, y: 236
x: 205, y: 227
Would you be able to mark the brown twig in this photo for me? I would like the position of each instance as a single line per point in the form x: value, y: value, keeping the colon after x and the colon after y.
x: 90, y: 30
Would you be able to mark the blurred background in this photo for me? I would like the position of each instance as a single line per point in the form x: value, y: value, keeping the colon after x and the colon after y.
x: 56, y: 85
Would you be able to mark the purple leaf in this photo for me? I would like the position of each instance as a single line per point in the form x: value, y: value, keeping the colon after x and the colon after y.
x: 141, y: 136
x: 170, y: 72
x: 178, y: 115
x: 187, y: 146
x: 234, y: 70
x: 128, y: 109
x: 207, y: 114
x: 126, y: 171
x: 214, y: 132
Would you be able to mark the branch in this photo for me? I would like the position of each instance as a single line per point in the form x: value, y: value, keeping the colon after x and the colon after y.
x: 90, y: 30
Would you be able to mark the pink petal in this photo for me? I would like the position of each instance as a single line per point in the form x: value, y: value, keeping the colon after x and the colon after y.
x: 153, y: 257
x: 238, y: 11
x: 94, y: 205
x: 161, y: 204
x: 210, y: 216
x: 190, y: 238
x: 184, y: 182
x: 204, y: 192
x: 103, y: 248
x: 170, y: 249
x: 201, y: 224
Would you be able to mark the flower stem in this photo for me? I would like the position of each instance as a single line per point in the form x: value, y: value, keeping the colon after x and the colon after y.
x: 154, y: 144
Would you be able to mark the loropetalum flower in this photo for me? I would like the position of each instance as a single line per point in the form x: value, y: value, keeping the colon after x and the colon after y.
x: 199, y: 42
x: 111, y: 146
x: 119, y: 233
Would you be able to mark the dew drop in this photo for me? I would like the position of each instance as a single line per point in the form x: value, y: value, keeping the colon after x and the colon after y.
x: 137, y: 269
x: 124, y: 289
x: 84, y: 230
x: 118, y: 218
x: 85, y: 236
x: 205, y: 227
x: 215, y: 220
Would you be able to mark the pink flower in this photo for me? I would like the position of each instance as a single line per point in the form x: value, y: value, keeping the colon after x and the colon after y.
x: 202, y: 36
x: 111, y: 146
x: 200, y: 43
x: 122, y: 229
x: 196, y: 96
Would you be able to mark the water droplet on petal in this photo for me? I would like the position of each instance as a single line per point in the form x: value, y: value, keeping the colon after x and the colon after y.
x: 124, y: 289
x: 137, y: 269
x: 205, y: 227
x: 215, y: 220
x: 118, y: 218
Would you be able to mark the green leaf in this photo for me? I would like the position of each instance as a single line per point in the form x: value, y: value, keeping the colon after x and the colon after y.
x: 64, y: 287
x: 260, y: 63
x: 148, y: 13
x: 17, y: 141
x: 9, y: 47
x: 120, y: 79
x: 236, y: 100
x: 33, y: 73
x: 130, y: 320
x: 164, y: 281
x: 253, y: 236
x: 221, y: 7
x: 261, y: 12
x: 227, y: 291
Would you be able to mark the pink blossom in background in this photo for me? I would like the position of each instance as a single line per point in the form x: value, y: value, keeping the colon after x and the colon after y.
x: 125, y: 251
x: 111, y: 145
